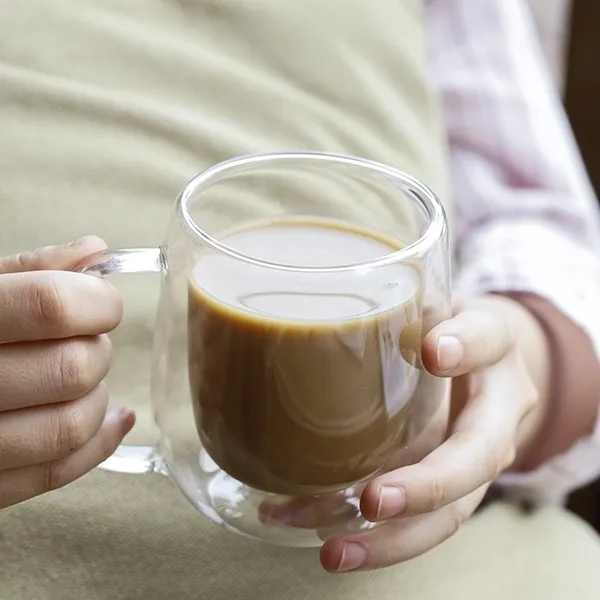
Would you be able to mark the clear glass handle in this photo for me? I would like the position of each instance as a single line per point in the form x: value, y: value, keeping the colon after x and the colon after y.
x: 133, y: 260
x: 128, y: 458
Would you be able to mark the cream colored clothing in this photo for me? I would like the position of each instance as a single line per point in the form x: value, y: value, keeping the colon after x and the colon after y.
x: 118, y: 104
x: 113, y: 537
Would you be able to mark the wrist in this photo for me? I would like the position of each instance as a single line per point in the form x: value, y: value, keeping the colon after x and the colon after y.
x: 563, y: 366
x: 534, y: 346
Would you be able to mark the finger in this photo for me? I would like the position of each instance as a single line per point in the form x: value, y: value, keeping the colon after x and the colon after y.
x: 38, y: 435
x: 17, y: 485
x: 480, y: 447
x: 469, y: 341
x: 398, y: 540
x: 56, y: 304
x: 52, y: 257
x: 36, y: 373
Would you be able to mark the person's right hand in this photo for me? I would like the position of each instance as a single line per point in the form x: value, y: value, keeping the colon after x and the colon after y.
x: 54, y: 353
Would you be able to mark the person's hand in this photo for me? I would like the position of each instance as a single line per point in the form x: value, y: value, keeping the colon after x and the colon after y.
x: 54, y: 354
x: 497, y: 352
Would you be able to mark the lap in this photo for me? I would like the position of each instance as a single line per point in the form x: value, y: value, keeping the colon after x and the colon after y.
x: 110, y: 536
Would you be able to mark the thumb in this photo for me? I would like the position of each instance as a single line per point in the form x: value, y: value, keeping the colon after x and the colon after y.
x: 471, y: 340
x: 55, y: 258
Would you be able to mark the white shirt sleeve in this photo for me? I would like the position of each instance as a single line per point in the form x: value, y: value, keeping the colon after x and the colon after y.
x: 526, y: 217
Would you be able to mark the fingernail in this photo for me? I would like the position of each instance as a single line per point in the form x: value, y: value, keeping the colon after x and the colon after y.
x: 450, y: 353
x: 354, y: 556
x: 127, y: 420
x: 76, y: 243
x: 85, y: 241
x: 392, y: 501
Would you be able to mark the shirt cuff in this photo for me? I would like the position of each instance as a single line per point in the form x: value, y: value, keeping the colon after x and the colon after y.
x: 539, y: 258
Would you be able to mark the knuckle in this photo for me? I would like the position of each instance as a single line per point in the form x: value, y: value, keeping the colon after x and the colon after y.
x: 24, y: 259
x: 458, y: 513
x: 44, y: 299
x: 70, y: 433
x: 106, y: 347
x: 50, y: 477
x: 31, y: 259
x: 455, y: 519
x: 108, y: 444
x: 75, y: 370
x: 498, y: 458
x: 100, y: 397
x: 435, y: 490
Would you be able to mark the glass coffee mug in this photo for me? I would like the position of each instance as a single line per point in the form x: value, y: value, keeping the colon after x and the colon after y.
x: 296, y: 292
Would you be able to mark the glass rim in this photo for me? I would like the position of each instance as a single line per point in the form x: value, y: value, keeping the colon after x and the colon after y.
x: 417, y: 249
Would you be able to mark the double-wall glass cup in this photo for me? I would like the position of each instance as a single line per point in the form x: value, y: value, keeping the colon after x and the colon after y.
x: 296, y: 291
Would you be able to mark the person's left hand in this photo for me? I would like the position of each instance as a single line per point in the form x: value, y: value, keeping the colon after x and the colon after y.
x: 497, y: 352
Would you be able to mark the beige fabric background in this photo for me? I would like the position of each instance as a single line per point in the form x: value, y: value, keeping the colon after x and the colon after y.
x: 106, y: 110
x: 111, y: 537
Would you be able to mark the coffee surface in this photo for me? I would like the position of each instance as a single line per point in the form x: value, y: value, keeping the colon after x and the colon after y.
x: 298, y: 382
